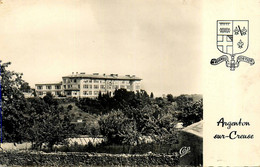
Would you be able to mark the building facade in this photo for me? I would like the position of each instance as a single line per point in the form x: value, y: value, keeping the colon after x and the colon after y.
x: 89, y: 85
x: 54, y: 88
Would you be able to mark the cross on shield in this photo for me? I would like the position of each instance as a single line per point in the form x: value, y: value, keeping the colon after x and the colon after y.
x: 232, y: 39
x: 232, y: 36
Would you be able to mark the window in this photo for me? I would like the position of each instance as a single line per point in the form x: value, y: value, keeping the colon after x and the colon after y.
x: 68, y: 93
x: 96, y: 87
x: 90, y: 81
x: 137, y: 87
x: 123, y: 82
x: 95, y: 92
x: 85, y: 93
x: 40, y: 93
x: 39, y: 87
x: 116, y: 86
x: 85, y: 86
x: 128, y: 87
x: 90, y: 86
x: 57, y: 87
x: 64, y: 86
x: 122, y: 86
x: 96, y: 81
x: 90, y: 92
x: 79, y: 86
x: 57, y: 93
x: 48, y: 87
x: 102, y: 86
x: 64, y: 80
x: 75, y: 80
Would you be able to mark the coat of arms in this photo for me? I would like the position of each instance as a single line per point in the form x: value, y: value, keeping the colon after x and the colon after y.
x: 233, y: 40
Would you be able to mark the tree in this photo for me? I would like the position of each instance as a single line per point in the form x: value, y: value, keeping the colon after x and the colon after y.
x: 37, y: 120
x: 192, y: 113
x: 49, y: 99
x: 14, y: 105
x: 170, y: 98
x: 130, y: 125
x: 118, y: 128
x: 183, y: 102
x: 50, y: 124
x: 151, y: 95
x: 25, y: 87
x: 69, y: 107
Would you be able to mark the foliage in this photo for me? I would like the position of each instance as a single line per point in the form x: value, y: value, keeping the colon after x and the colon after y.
x: 191, y: 113
x: 50, y: 124
x: 37, y: 120
x: 118, y: 128
x: 49, y: 99
x: 151, y: 95
x: 132, y: 125
x: 151, y: 117
x: 25, y: 87
x: 14, y: 105
x: 183, y: 102
x: 170, y: 98
x: 121, y: 99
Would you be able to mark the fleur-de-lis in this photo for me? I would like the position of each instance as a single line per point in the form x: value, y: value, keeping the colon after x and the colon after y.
x: 236, y: 31
x: 240, y: 44
x: 244, y: 31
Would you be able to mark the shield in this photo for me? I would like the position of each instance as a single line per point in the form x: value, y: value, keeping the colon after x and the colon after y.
x: 232, y: 36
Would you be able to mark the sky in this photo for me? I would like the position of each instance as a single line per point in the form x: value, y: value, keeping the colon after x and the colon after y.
x: 158, y: 41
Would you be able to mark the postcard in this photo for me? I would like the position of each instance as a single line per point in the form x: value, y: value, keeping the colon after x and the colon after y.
x: 130, y: 83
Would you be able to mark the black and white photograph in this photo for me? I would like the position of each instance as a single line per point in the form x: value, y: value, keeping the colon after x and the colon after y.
x: 101, y: 83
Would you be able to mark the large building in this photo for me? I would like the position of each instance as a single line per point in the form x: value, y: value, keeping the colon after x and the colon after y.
x: 54, y: 88
x: 89, y: 85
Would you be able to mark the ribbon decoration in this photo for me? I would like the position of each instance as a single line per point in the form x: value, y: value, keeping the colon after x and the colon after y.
x: 232, y: 64
x: 219, y: 60
x: 246, y: 60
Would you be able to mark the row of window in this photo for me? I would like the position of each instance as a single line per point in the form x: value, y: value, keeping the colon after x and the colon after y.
x: 87, y: 87
x: 71, y: 86
x: 104, y: 87
x: 55, y: 93
x: 97, y: 86
x: 93, y: 80
x: 70, y: 80
x: 49, y: 87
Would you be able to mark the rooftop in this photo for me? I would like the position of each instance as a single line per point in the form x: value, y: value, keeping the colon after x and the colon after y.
x: 103, y: 76
x: 53, y: 83
x: 196, y: 129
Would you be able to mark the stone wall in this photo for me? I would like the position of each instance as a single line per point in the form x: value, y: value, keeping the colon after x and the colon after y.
x: 26, y: 158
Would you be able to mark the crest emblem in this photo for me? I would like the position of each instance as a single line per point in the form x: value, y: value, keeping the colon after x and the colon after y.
x: 232, y: 39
